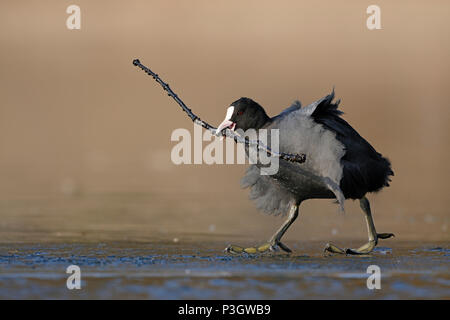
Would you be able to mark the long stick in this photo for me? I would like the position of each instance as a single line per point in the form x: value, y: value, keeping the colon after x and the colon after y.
x: 300, y: 158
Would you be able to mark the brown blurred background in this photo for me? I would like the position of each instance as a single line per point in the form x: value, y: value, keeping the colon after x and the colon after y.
x: 85, y: 136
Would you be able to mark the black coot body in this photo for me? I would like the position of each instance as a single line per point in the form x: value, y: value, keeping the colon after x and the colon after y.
x: 340, y: 163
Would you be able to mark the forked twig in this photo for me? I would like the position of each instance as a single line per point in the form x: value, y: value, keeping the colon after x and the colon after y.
x: 300, y: 158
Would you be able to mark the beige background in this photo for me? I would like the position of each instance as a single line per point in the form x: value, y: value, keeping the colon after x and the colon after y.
x: 85, y: 136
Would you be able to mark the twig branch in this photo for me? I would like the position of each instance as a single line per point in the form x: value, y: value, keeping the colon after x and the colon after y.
x: 300, y: 158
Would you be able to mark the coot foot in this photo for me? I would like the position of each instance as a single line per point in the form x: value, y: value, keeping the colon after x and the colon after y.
x: 373, y: 235
x: 272, y: 246
x: 274, y: 243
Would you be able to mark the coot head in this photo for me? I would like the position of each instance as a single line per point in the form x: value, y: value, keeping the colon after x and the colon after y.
x: 244, y: 114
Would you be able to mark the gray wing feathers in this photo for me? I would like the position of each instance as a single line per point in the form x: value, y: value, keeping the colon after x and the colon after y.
x: 309, y: 109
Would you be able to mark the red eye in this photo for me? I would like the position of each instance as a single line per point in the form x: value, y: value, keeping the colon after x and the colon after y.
x: 240, y: 113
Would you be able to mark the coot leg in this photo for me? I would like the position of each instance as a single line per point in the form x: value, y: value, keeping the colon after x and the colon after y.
x: 373, y: 235
x: 274, y: 243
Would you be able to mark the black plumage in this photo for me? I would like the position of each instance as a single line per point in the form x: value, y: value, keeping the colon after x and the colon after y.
x: 364, y: 169
x: 339, y: 164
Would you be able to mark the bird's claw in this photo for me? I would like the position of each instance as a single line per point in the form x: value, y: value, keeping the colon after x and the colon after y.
x: 331, y: 248
x: 283, y: 247
x: 385, y: 235
x: 273, y: 246
x: 365, y: 249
